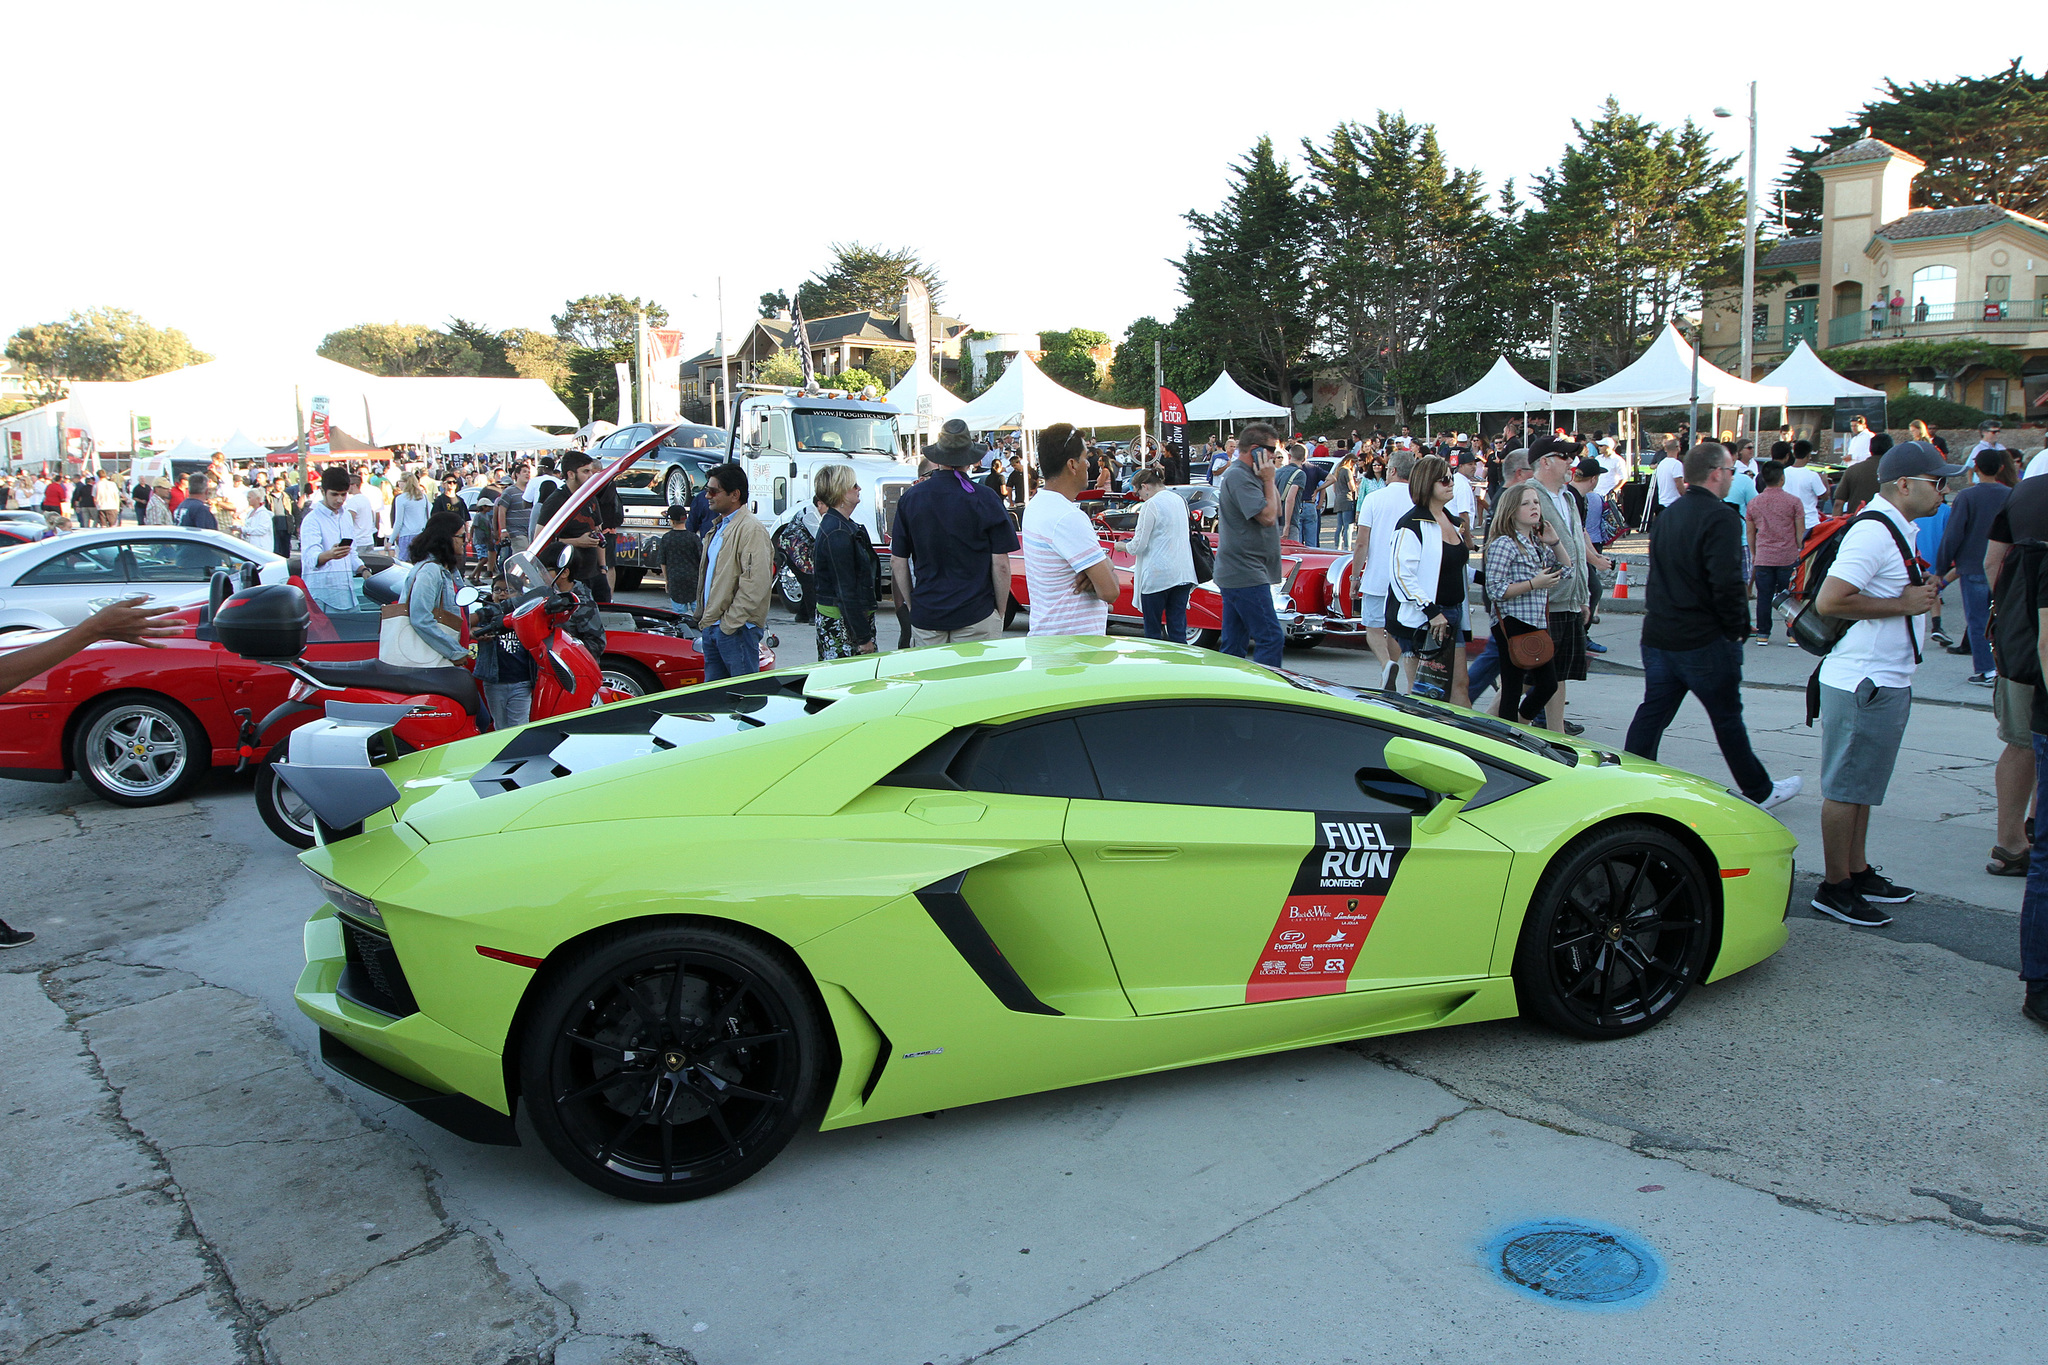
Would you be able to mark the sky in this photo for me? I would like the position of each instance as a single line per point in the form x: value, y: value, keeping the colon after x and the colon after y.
x: 260, y: 175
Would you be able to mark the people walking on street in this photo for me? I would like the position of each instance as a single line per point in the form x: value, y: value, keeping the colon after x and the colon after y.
x: 1293, y: 480
x: 2026, y: 583
x: 409, y: 513
x: 1866, y: 680
x: 732, y: 589
x: 848, y: 572
x: 1960, y: 557
x: 1776, y: 527
x: 1571, y: 601
x: 950, y: 547
x: 1248, y: 546
x: 1521, y: 569
x: 2012, y: 701
x: 1372, y: 557
x: 1066, y: 571
x: 1806, y: 484
x: 1430, y: 554
x: 1162, y: 560
x: 1695, y: 618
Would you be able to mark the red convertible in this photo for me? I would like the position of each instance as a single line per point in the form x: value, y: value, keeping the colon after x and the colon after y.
x: 142, y: 726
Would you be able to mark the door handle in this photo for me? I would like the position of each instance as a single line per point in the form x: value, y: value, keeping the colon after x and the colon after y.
x: 1136, y: 853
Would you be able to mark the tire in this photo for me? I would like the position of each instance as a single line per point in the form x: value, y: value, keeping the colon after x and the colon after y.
x: 1306, y: 641
x: 102, y: 749
x: 1616, y: 933
x: 659, y: 1008
x: 1010, y: 610
x: 629, y: 579
x: 1204, y: 638
x: 287, y: 814
x: 624, y: 675
x: 676, y: 487
x: 788, y: 586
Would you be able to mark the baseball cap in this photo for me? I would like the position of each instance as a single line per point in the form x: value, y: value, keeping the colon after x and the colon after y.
x: 1914, y: 460
x: 1589, y: 469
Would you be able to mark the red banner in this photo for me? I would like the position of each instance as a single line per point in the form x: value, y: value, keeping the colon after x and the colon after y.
x: 1173, y: 425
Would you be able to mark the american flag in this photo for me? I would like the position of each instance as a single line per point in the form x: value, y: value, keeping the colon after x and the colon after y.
x: 800, y: 338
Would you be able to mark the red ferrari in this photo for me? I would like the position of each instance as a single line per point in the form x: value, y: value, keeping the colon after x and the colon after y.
x: 142, y: 726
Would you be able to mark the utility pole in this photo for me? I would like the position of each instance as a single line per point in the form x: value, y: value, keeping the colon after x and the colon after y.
x: 1556, y: 314
x: 1749, y: 256
x: 640, y: 364
x: 724, y: 371
x: 1692, y: 416
x: 1158, y: 383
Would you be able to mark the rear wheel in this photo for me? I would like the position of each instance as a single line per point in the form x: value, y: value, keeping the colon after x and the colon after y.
x: 283, y: 809
x: 671, y: 1063
x: 1010, y: 610
x: 789, y: 587
x: 140, y: 749
x: 624, y: 675
x: 1203, y: 637
x: 1616, y: 934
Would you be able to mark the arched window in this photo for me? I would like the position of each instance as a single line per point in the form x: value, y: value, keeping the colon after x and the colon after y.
x: 1935, y: 286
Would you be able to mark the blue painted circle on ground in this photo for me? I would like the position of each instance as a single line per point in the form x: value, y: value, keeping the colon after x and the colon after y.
x: 1577, y: 1263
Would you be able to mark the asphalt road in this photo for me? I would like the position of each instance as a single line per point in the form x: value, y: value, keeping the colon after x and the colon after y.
x: 1837, y: 1155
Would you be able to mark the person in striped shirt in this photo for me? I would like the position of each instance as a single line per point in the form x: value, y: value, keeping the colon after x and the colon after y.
x: 1066, y: 570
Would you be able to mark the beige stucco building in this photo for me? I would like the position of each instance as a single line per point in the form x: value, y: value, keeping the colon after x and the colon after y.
x: 1881, y: 271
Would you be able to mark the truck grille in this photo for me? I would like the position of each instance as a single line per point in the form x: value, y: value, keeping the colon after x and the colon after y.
x: 373, y: 978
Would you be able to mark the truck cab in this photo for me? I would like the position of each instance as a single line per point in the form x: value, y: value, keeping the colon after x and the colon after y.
x: 783, y: 436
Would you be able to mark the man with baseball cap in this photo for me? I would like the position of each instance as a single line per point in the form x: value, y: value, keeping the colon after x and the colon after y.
x: 1866, y: 680
x: 950, y: 547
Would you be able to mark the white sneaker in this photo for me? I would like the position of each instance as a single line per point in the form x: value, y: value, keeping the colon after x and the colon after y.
x: 1783, y: 790
x: 1792, y: 642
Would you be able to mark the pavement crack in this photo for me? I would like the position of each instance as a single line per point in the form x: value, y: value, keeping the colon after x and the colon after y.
x: 1972, y: 1210
x: 140, y: 1308
x: 1230, y: 1231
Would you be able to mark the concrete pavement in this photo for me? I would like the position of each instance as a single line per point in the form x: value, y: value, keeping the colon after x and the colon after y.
x: 1837, y: 1154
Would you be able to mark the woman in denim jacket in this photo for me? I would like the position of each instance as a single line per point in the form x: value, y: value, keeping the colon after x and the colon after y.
x: 848, y: 572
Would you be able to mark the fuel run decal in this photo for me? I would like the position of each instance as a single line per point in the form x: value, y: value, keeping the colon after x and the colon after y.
x: 1337, y: 894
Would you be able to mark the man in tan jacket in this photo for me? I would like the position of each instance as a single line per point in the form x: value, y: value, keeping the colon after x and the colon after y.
x: 732, y: 585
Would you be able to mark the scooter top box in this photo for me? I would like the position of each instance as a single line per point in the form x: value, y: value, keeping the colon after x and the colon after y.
x: 265, y: 622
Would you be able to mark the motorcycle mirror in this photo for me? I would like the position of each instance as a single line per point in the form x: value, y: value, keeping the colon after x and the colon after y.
x: 469, y: 597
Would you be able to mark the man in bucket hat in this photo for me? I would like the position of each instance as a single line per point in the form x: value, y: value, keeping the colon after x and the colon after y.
x: 1866, y: 680
x: 950, y: 547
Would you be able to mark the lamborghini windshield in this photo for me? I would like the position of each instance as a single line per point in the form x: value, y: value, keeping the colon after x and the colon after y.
x: 823, y: 431
x: 1473, y: 722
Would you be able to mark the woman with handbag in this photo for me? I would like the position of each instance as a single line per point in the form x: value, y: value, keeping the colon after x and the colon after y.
x: 424, y: 629
x: 1427, y: 595
x: 1521, y: 568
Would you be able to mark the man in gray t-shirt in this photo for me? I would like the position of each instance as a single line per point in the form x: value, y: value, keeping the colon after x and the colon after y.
x: 1248, y: 547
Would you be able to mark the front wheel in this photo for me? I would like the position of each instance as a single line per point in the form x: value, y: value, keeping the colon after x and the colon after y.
x: 676, y: 488
x: 283, y: 809
x: 789, y: 587
x: 670, y: 1063
x: 1616, y: 934
x: 140, y: 749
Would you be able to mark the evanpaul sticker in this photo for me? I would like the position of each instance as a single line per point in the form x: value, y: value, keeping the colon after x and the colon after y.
x: 1336, y: 895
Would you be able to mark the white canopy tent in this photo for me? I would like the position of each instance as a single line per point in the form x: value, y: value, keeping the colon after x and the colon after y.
x: 1226, y: 401
x: 1025, y: 399
x: 240, y: 447
x: 914, y: 384
x: 1662, y: 377
x: 189, y: 449
x: 1809, y: 383
x: 499, y: 436
x: 1500, y: 390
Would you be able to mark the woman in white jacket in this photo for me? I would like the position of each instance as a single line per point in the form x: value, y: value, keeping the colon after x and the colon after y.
x: 1430, y: 553
x: 1163, y: 562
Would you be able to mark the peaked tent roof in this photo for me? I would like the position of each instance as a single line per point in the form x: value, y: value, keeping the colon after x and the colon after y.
x: 499, y: 436
x: 1661, y: 377
x: 916, y: 382
x: 240, y: 447
x: 1500, y: 390
x: 1226, y: 401
x: 1024, y: 398
x: 1809, y: 383
x: 189, y: 449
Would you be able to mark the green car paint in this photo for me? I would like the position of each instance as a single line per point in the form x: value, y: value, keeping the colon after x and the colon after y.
x: 1145, y: 936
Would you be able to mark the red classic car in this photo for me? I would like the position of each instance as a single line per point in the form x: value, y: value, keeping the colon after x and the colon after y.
x: 143, y: 725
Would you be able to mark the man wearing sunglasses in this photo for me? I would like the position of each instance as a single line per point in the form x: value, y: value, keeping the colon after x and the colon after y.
x: 1866, y: 680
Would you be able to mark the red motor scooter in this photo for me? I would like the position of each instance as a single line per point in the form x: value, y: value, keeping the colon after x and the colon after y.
x: 373, y: 712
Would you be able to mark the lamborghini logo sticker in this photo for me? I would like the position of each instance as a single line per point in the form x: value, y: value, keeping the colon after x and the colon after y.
x: 1337, y: 893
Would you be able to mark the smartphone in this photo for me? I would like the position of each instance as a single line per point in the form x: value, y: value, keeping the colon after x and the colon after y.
x: 344, y: 544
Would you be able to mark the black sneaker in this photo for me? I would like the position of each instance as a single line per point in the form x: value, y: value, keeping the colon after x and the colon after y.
x: 2036, y: 1007
x: 1838, y: 900
x: 1872, y: 885
x: 1574, y: 729
x: 11, y: 937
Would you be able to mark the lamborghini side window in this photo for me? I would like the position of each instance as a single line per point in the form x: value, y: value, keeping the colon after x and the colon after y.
x: 1255, y: 757
x: 1045, y: 759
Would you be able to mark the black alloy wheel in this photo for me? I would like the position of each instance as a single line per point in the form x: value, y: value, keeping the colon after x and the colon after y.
x: 671, y: 1063
x: 1616, y: 934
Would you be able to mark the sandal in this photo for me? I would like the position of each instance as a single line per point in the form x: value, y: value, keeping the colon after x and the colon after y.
x: 2005, y: 864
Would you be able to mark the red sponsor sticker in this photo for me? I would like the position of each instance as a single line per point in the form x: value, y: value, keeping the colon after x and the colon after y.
x: 1336, y: 896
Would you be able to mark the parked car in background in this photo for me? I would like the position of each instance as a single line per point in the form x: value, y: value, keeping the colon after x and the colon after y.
x: 58, y: 581
x: 670, y: 474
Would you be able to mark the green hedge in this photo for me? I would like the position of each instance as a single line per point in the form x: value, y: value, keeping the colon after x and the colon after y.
x: 1936, y: 412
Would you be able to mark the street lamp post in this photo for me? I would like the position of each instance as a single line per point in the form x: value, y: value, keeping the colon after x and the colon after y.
x: 1747, y: 324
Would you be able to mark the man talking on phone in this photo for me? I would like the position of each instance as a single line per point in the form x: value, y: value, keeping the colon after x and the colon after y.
x: 327, y: 549
x: 1248, y: 546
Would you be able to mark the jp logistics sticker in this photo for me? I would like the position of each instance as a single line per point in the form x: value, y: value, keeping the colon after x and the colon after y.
x: 1337, y: 894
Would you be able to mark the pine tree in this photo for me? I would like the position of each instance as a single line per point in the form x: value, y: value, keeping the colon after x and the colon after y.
x: 1246, y: 278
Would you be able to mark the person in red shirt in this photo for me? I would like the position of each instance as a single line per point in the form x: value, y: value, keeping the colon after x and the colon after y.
x: 1777, y: 530
x: 56, y: 495
x: 178, y: 492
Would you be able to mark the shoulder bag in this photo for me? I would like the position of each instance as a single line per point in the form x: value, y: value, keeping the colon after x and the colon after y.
x: 399, y: 644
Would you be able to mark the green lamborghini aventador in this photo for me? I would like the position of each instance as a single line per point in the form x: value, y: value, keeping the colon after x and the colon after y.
x: 682, y: 926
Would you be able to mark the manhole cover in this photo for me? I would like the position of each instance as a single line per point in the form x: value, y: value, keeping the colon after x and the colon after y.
x: 1575, y: 1263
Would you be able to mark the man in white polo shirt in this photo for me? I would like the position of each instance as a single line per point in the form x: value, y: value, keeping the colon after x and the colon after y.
x: 1066, y: 570
x: 1866, y: 680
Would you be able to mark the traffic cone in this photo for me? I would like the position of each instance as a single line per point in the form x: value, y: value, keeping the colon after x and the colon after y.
x: 1621, y: 580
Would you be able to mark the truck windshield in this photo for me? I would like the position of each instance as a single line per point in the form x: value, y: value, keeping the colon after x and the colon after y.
x: 844, y: 433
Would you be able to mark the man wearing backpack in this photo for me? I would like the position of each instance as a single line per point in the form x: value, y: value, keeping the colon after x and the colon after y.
x: 1866, y: 679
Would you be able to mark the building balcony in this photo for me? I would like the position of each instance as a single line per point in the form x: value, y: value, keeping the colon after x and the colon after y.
x: 2002, y: 321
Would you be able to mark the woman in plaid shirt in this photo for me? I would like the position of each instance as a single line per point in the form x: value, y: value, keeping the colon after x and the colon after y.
x: 1521, y: 568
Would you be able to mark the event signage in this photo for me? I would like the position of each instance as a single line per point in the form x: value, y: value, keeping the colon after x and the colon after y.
x: 1173, y: 424
x: 13, y: 447
x: 924, y: 414
x: 143, y: 439
x: 319, y: 439
x: 1870, y: 409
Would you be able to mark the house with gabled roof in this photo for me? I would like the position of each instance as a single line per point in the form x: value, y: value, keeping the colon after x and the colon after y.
x: 840, y: 342
x: 1881, y: 271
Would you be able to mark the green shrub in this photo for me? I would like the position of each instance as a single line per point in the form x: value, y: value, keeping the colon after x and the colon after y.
x: 1936, y: 412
